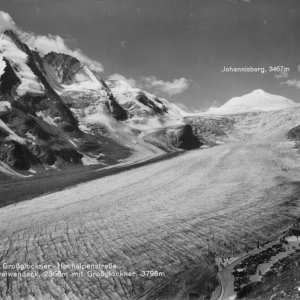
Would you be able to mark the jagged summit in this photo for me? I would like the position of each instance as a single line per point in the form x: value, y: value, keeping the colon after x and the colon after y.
x: 257, y: 100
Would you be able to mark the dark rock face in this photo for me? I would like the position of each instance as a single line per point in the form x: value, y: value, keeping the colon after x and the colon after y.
x: 43, y: 153
x: 8, y: 80
x: 90, y: 146
x: 294, y: 133
x: 63, y: 66
x: 69, y: 155
x: 116, y: 110
x: 23, y: 157
x: 16, y: 155
x: 171, y: 139
x: 142, y: 98
x: 185, y: 139
x: 46, y: 146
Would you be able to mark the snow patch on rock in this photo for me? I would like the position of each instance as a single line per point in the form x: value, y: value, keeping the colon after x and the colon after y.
x: 2, y: 65
x: 84, y: 80
x: 4, y: 106
x: 11, y: 134
x: 5, y: 169
x: 18, y: 59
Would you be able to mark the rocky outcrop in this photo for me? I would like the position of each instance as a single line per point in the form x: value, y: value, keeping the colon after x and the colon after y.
x: 171, y: 139
x: 185, y: 139
x: 42, y: 144
x: 116, y: 110
x: 139, y: 103
x: 294, y: 133
x: 9, y: 80
x: 69, y: 155
x: 63, y: 66
x: 16, y: 155
x: 142, y: 98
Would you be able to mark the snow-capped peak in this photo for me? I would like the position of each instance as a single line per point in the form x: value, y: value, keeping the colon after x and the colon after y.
x: 257, y: 100
x: 6, y: 22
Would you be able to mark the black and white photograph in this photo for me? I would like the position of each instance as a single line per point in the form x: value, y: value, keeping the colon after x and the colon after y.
x: 149, y: 149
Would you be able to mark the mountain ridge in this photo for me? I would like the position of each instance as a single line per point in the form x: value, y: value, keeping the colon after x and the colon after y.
x: 56, y: 112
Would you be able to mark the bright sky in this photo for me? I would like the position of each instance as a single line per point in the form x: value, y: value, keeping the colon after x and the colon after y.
x: 177, y: 48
